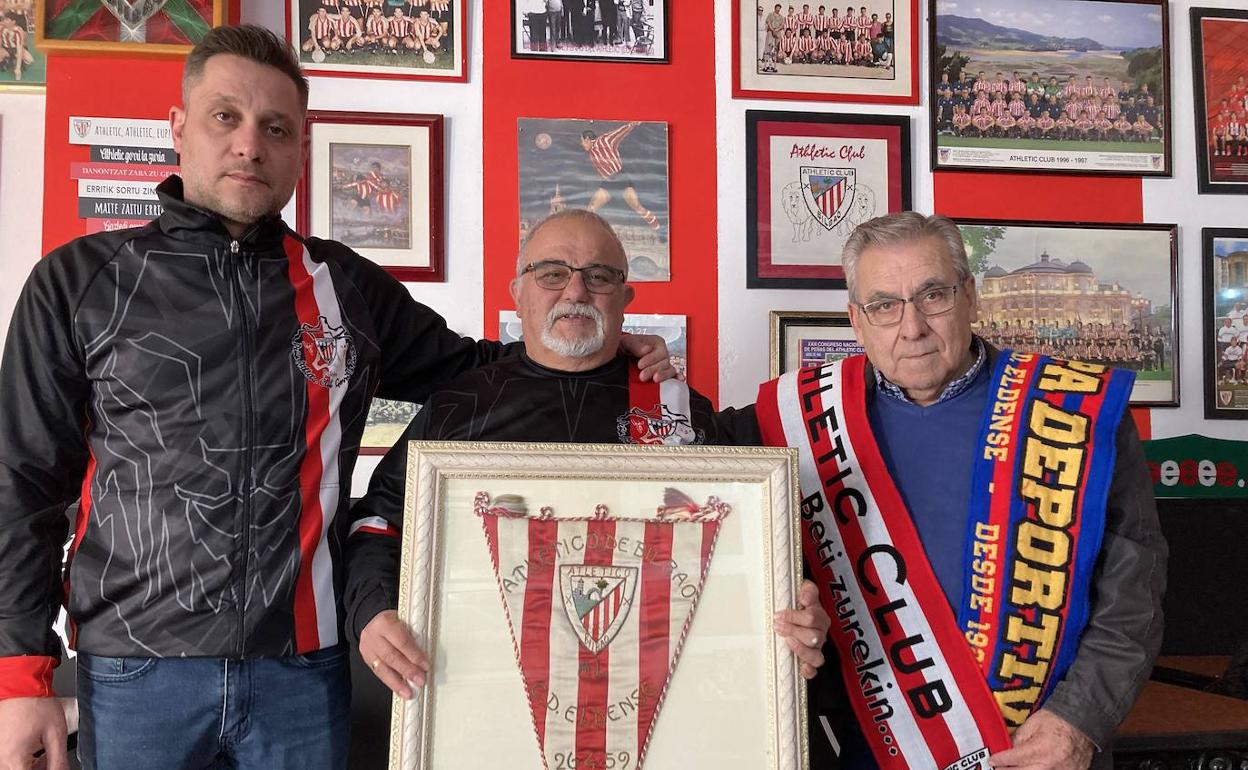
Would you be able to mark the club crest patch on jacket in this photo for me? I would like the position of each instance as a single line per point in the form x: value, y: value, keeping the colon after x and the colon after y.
x: 324, y: 353
x: 656, y: 425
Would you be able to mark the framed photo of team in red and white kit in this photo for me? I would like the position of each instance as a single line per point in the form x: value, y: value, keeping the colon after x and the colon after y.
x: 373, y: 181
x: 1060, y: 86
x: 399, y: 39
x: 1226, y: 322
x: 1220, y: 72
x: 865, y: 51
x: 607, y: 606
x: 811, y: 178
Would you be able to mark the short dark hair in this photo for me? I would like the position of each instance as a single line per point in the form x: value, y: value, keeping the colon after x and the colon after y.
x: 250, y: 42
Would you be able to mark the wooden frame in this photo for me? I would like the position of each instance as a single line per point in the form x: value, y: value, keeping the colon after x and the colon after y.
x: 1092, y: 292
x: 377, y: 60
x: 200, y: 23
x: 1225, y: 301
x: 1218, y: 36
x: 754, y: 77
x: 733, y: 696
x: 651, y: 46
x: 406, y: 147
x: 801, y: 338
x: 1107, y: 156
x: 793, y: 236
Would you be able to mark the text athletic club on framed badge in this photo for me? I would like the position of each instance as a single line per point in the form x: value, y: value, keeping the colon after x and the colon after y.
x: 594, y: 606
x: 811, y: 178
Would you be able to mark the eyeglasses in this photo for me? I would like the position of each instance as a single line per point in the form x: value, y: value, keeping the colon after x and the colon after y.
x: 933, y: 301
x: 553, y: 275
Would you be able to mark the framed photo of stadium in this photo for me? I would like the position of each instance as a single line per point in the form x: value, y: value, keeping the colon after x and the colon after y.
x: 373, y: 181
x: 801, y: 338
x: 393, y: 39
x: 1100, y: 293
x: 814, y: 51
x: 616, y: 168
x: 811, y: 178
x: 635, y: 32
x: 1226, y: 323
x: 125, y: 26
x: 1061, y: 86
x: 590, y: 605
x: 1220, y: 72
x: 23, y: 67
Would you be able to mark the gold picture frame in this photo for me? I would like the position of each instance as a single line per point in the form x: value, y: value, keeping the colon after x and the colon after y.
x: 733, y: 697
x: 192, y: 25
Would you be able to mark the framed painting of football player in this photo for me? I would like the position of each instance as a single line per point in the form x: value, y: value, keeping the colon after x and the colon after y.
x: 23, y: 67
x: 811, y: 178
x: 586, y: 605
x: 1219, y: 39
x: 809, y: 338
x: 130, y: 26
x: 373, y: 181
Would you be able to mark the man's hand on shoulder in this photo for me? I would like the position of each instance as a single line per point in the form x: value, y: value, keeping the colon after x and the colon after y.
x: 28, y: 725
x: 1047, y: 742
x: 389, y: 649
x: 652, y: 356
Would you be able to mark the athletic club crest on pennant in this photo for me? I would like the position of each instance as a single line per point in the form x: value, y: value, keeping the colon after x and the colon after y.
x: 324, y: 353
x: 599, y: 608
x: 829, y: 193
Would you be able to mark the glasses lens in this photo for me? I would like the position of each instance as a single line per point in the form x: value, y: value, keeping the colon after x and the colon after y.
x: 884, y: 312
x: 552, y: 275
x: 936, y: 301
x: 600, y: 279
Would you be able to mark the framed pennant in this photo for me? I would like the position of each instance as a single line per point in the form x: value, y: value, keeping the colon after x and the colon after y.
x: 125, y: 26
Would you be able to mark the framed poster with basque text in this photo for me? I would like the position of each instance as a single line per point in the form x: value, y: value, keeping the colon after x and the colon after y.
x: 870, y: 53
x: 125, y: 26
x: 1220, y: 72
x: 373, y: 181
x: 600, y: 606
x: 809, y: 338
x: 811, y: 178
x: 1226, y: 323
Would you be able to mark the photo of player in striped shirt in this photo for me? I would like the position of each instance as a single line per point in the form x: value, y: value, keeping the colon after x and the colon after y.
x: 378, y: 36
x: 820, y: 40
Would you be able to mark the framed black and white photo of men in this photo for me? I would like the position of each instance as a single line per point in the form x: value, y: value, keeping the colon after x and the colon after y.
x: 1226, y: 323
x: 866, y: 52
x: 635, y: 31
x: 394, y: 39
x: 1063, y: 86
x: 1097, y: 293
x: 811, y: 178
x: 1220, y: 72
x: 802, y: 338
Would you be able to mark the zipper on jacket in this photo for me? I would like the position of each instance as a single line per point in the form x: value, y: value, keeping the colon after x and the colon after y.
x: 249, y: 431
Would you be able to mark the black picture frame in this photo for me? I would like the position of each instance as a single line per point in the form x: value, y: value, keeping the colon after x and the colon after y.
x: 1223, y: 289
x: 652, y: 37
x: 1206, y: 41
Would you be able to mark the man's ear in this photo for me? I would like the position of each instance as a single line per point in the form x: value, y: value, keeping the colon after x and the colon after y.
x: 177, y: 122
x: 514, y: 289
x: 629, y: 293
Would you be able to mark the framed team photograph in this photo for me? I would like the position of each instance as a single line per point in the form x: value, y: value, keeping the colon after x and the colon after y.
x: 1226, y: 323
x: 801, y: 338
x: 373, y: 181
x: 811, y: 178
x: 1220, y: 72
x: 867, y: 51
x: 124, y: 26
x: 1057, y: 86
x: 385, y: 424
x: 672, y: 328
x: 392, y: 39
x: 23, y: 67
x: 615, y: 168
x: 606, y: 31
x: 1099, y: 293
x: 604, y: 606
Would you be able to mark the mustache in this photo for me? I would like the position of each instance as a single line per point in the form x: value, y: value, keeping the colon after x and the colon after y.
x: 564, y: 309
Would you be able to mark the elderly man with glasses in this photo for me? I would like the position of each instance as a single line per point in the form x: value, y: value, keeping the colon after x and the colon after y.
x: 980, y: 523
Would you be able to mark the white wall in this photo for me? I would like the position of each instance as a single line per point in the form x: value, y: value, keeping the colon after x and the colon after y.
x: 21, y: 195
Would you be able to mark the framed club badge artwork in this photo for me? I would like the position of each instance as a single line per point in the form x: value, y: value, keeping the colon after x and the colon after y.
x: 811, y: 178
x: 129, y: 26
x: 600, y: 606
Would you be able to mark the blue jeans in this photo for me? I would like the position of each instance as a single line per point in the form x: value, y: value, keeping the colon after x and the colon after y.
x: 193, y: 713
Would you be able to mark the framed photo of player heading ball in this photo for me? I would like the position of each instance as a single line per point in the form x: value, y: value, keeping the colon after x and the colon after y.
x: 631, y: 32
x: 125, y: 26
x: 373, y: 181
x: 1060, y: 86
x: 1220, y: 72
x: 870, y: 53
x: 802, y: 338
x: 394, y: 39
x: 588, y: 605
x: 1226, y: 322
x: 811, y: 178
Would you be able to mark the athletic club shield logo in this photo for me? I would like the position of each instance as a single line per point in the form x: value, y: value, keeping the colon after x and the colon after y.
x: 82, y: 127
x: 1224, y: 396
x: 657, y: 425
x: 324, y: 353
x: 829, y: 193
x: 599, y: 608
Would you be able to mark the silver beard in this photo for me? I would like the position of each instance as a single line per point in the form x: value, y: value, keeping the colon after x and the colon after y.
x: 574, y: 348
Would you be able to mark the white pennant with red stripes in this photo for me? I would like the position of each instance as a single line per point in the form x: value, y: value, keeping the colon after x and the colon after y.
x: 599, y: 608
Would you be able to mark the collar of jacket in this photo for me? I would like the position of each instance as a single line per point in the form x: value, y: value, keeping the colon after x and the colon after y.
x: 186, y: 222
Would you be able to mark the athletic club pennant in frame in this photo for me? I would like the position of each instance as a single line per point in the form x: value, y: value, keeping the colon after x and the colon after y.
x: 595, y: 606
